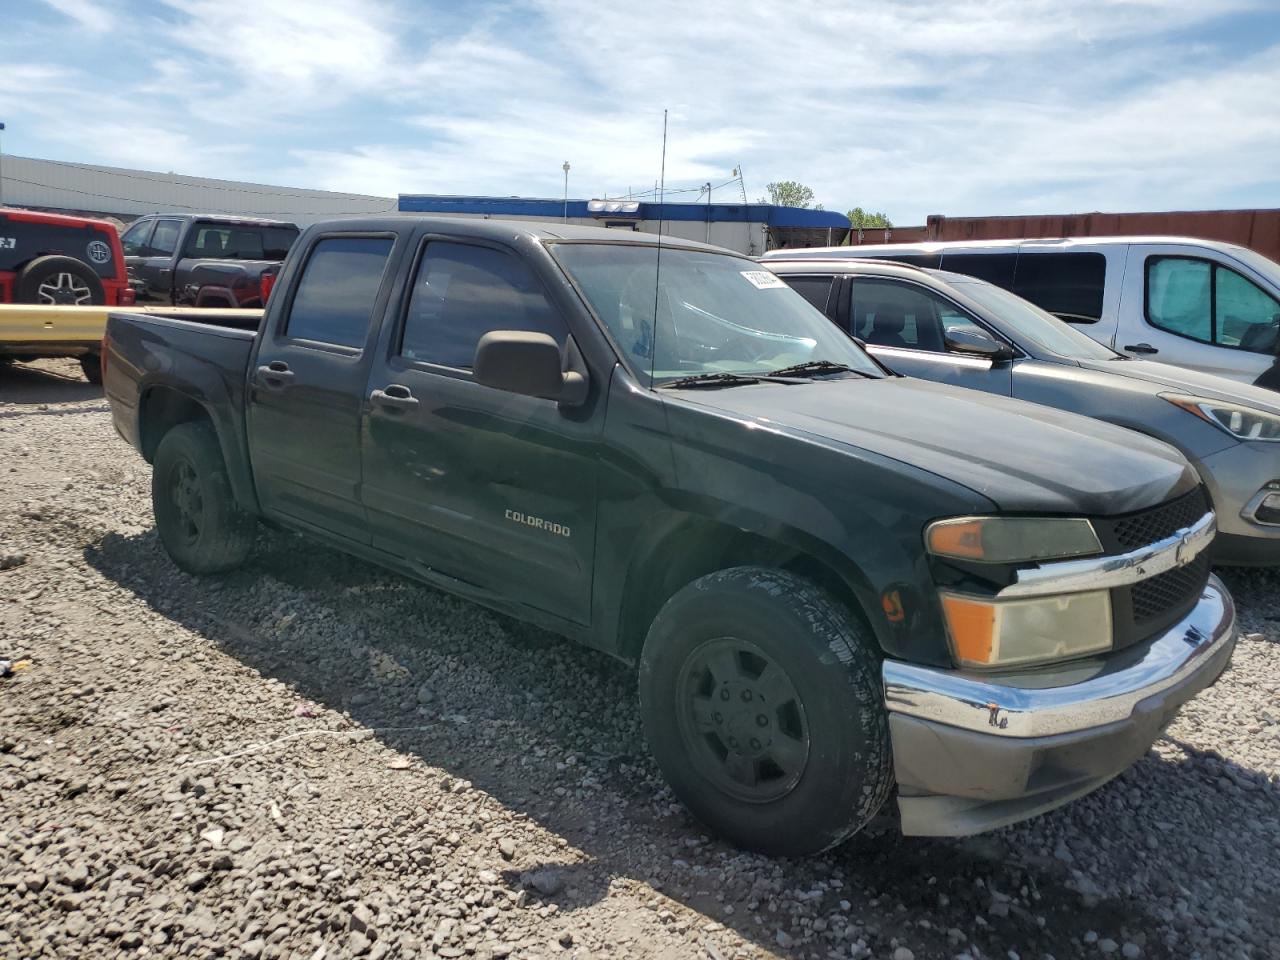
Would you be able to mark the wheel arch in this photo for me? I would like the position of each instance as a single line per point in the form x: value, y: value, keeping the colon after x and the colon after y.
x: 689, y: 546
x: 161, y: 407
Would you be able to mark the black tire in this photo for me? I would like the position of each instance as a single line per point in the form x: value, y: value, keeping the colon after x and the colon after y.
x: 767, y: 620
x: 199, y: 521
x: 91, y: 367
x: 62, y: 281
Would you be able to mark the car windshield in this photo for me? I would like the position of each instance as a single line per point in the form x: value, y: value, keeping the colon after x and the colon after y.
x: 716, y: 313
x: 1030, y: 322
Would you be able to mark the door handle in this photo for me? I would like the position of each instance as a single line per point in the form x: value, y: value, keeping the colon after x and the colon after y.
x: 395, y: 396
x: 276, y: 373
x: 1141, y: 348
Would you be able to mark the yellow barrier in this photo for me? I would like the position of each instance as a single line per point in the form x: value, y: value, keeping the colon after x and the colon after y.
x: 22, y: 323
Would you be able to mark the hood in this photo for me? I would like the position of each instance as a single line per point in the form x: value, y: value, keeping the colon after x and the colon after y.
x: 1186, y: 381
x: 1021, y: 456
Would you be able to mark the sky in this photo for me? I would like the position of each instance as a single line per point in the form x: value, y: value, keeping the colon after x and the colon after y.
x: 910, y: 108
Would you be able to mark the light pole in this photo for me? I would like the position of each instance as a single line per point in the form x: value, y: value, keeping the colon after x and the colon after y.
x: 565, y: 168
x: 1, y: 169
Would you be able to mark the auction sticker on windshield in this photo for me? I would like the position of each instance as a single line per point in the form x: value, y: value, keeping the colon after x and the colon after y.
x: 763, y: 279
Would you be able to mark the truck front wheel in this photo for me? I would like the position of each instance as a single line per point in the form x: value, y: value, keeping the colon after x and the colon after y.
x: 763, y: 705
x: 200, y: 523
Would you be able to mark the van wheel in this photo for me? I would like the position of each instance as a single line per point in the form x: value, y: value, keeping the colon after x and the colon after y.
x: 199, y: 521
x: 91, y: 367
x: 763, y: 705
x: 59, y: 281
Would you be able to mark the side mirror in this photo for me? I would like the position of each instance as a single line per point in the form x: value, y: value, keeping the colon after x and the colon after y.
x: 530, y: 364
x: 977, y: 342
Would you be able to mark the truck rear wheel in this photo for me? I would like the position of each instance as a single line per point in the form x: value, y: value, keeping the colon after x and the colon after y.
x: 200, y: 523
x: 91, y: 367
x: 61, y: 281
x: 763, y: 705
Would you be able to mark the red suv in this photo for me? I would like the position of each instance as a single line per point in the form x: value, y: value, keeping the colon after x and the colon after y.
x: 70, y: 261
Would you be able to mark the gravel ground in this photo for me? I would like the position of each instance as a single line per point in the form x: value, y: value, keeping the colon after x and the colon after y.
x: 310, y: 758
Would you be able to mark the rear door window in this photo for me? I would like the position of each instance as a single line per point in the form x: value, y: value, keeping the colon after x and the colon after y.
x: 339, y: 284
x: 164, y: 241
x: 1070, y: 285
x: 814, y: 289
x: 463, y: 292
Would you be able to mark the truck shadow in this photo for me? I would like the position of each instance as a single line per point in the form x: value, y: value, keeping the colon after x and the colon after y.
x: 47, y: 382
x: 552, y: 730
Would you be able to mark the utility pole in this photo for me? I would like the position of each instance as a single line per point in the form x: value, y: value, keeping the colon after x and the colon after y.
x: 565, y: 168
x: 707, y: 187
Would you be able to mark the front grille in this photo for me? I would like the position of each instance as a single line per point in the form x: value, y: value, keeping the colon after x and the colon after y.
x: 1172, y: 590
x: 1157, y: 603
x: 1149, y: 526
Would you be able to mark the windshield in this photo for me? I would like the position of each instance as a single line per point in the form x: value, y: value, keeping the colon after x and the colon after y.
x: 716, y: 313
x: 1031, y: 323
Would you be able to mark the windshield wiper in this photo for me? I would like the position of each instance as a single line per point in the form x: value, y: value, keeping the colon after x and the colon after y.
x: 713, y: 380
x: 816, y: 368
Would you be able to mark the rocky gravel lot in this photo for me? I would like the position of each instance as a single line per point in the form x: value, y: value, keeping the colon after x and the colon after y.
x: 311, y: 758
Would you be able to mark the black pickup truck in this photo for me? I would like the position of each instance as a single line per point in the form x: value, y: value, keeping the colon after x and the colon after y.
x: 836, y: 582
x: 205, y: 261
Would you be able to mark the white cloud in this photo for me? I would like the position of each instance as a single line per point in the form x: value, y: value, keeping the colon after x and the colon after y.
x: 91, y: 15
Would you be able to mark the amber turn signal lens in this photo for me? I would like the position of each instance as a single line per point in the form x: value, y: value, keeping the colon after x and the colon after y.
x: 962, y: 539
x: 973, y: 627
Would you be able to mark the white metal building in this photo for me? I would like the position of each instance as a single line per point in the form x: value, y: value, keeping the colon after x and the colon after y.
x: 126, y: 194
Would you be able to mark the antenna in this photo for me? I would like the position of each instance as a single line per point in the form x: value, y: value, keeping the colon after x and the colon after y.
x: 657, y: 269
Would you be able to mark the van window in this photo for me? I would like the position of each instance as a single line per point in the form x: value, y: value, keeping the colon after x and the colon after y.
x: 1070, y: 285
x: 335, y: 295
x: 929, y: 260
x: 1210, y: 303
x: 997, y: 268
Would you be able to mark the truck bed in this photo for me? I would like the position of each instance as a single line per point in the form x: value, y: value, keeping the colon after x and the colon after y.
x: 29, y: 328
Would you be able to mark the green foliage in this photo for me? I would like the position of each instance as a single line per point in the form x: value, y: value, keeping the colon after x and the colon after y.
x: 859, y: 219
x: 789, y: 193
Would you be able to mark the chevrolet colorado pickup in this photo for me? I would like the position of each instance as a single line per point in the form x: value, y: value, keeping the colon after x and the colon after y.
x: 205, y: 261
x: 837, y: 583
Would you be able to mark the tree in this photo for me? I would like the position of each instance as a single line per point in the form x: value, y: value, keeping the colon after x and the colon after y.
x: 788, y: 193
x: 859, y: 219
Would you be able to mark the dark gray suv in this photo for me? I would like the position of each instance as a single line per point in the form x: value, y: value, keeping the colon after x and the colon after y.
x: 960, y: 330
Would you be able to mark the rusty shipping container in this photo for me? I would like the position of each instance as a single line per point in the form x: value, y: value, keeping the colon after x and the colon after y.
x: 1257, y: 229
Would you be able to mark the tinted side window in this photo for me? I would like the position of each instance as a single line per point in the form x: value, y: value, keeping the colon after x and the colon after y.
x: 165, y: 239
x: 894, y: 314
x: 997, y: 268
x: 335, y: 296
x: 813, y: 289
x: 135, y: 239
x: 463, y: 292
x: 1180, y: 296
x: 1067, y: 284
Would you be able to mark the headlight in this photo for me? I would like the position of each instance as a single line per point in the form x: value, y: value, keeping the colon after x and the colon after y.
x: 990, y: 633
x: 1244, y: 423
x: 1012, y: 539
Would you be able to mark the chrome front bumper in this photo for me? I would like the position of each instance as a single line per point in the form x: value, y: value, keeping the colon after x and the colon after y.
x: 975, y: 751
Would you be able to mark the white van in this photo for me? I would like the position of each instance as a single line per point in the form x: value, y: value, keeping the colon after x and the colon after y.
x: 1194, y: 303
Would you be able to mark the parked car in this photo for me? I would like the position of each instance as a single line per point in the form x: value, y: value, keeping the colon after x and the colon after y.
x: 834, y: 581
x: 205, y: 261
x: 957, y: 329
x: 48, y: 260
x: 1201, y: 304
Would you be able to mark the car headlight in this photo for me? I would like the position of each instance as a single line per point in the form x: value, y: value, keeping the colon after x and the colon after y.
x: 1243, y: 423
x: 1002, y: 633
x: 1012, y: 539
